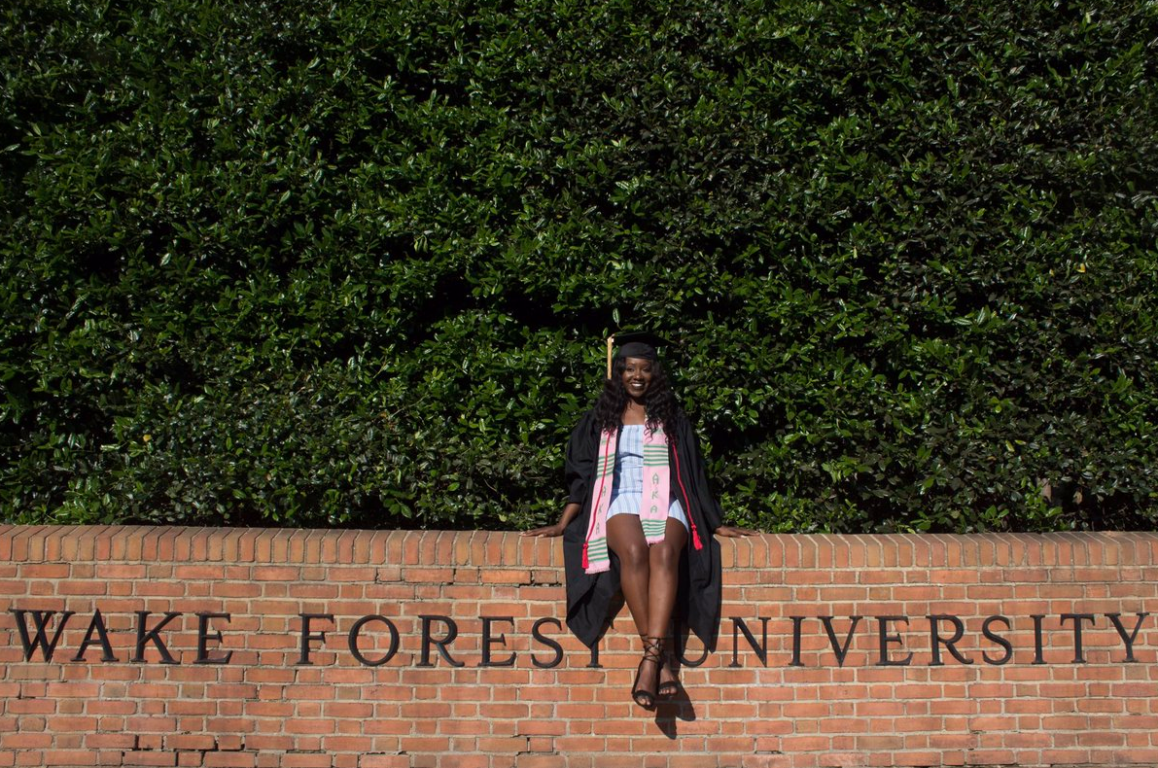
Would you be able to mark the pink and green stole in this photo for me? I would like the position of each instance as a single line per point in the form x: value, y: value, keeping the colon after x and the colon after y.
x: 656, y: 488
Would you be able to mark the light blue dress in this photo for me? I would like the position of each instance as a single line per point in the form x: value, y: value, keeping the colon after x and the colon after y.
x: 627, y: 489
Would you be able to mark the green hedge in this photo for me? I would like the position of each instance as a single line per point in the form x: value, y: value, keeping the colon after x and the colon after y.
x: 350, y: 264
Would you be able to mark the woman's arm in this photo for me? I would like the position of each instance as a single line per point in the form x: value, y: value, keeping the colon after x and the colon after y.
x: 569, y: 513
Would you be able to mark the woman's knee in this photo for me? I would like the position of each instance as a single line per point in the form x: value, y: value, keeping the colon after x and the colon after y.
x: 664, y: 555
x: 633, y: 554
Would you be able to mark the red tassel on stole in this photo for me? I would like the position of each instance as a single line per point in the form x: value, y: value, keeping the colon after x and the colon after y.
x: 687, y: 504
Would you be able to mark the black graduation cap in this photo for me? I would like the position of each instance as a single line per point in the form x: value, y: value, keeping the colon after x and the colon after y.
x: 634, y: 344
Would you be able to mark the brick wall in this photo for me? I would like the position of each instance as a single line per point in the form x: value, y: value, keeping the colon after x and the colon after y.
x: 893, y: 688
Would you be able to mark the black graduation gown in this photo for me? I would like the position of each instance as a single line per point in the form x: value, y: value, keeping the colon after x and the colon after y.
x: 589, y: 595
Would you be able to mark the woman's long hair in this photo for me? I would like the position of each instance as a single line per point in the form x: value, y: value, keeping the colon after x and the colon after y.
x: 660, y: 401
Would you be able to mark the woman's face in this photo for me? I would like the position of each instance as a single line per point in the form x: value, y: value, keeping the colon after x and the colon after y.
x: 637, y: 375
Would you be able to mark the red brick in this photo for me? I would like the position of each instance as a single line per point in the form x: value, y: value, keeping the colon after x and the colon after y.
x: 541, y: 761
x: 385, y: 761
x: 234, y: 760
x: 76, y: 757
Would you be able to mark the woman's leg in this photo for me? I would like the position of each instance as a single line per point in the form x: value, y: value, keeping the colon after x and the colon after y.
x: 664, y: 575
x: 625, y: 538
x: 649, y: 577
x: 664, y: 568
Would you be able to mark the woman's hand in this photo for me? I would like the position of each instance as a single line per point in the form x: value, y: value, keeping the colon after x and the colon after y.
x: 569, y: 513
x: 546, y: 530
x: 732, y: 532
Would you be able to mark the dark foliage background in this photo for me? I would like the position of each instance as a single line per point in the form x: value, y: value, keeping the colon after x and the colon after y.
x: 318, y: 264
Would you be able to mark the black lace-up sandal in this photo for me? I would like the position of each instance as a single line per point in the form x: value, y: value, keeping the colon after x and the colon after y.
x: 652, y: 654
x: 668, y: 689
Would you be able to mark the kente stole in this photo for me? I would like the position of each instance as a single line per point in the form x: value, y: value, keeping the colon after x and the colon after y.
x: 654, y: 503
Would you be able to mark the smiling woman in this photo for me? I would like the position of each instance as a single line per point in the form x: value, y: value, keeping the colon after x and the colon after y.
x: 637, y: 374
x: 639, y: 513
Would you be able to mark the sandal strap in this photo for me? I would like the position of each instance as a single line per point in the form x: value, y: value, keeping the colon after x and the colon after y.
x: 653, y: 648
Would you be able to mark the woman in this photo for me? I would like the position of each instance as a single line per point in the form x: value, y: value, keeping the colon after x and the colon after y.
x: 638, y: 488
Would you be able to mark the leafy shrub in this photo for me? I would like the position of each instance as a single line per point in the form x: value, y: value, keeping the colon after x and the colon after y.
x: 282, y: 263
